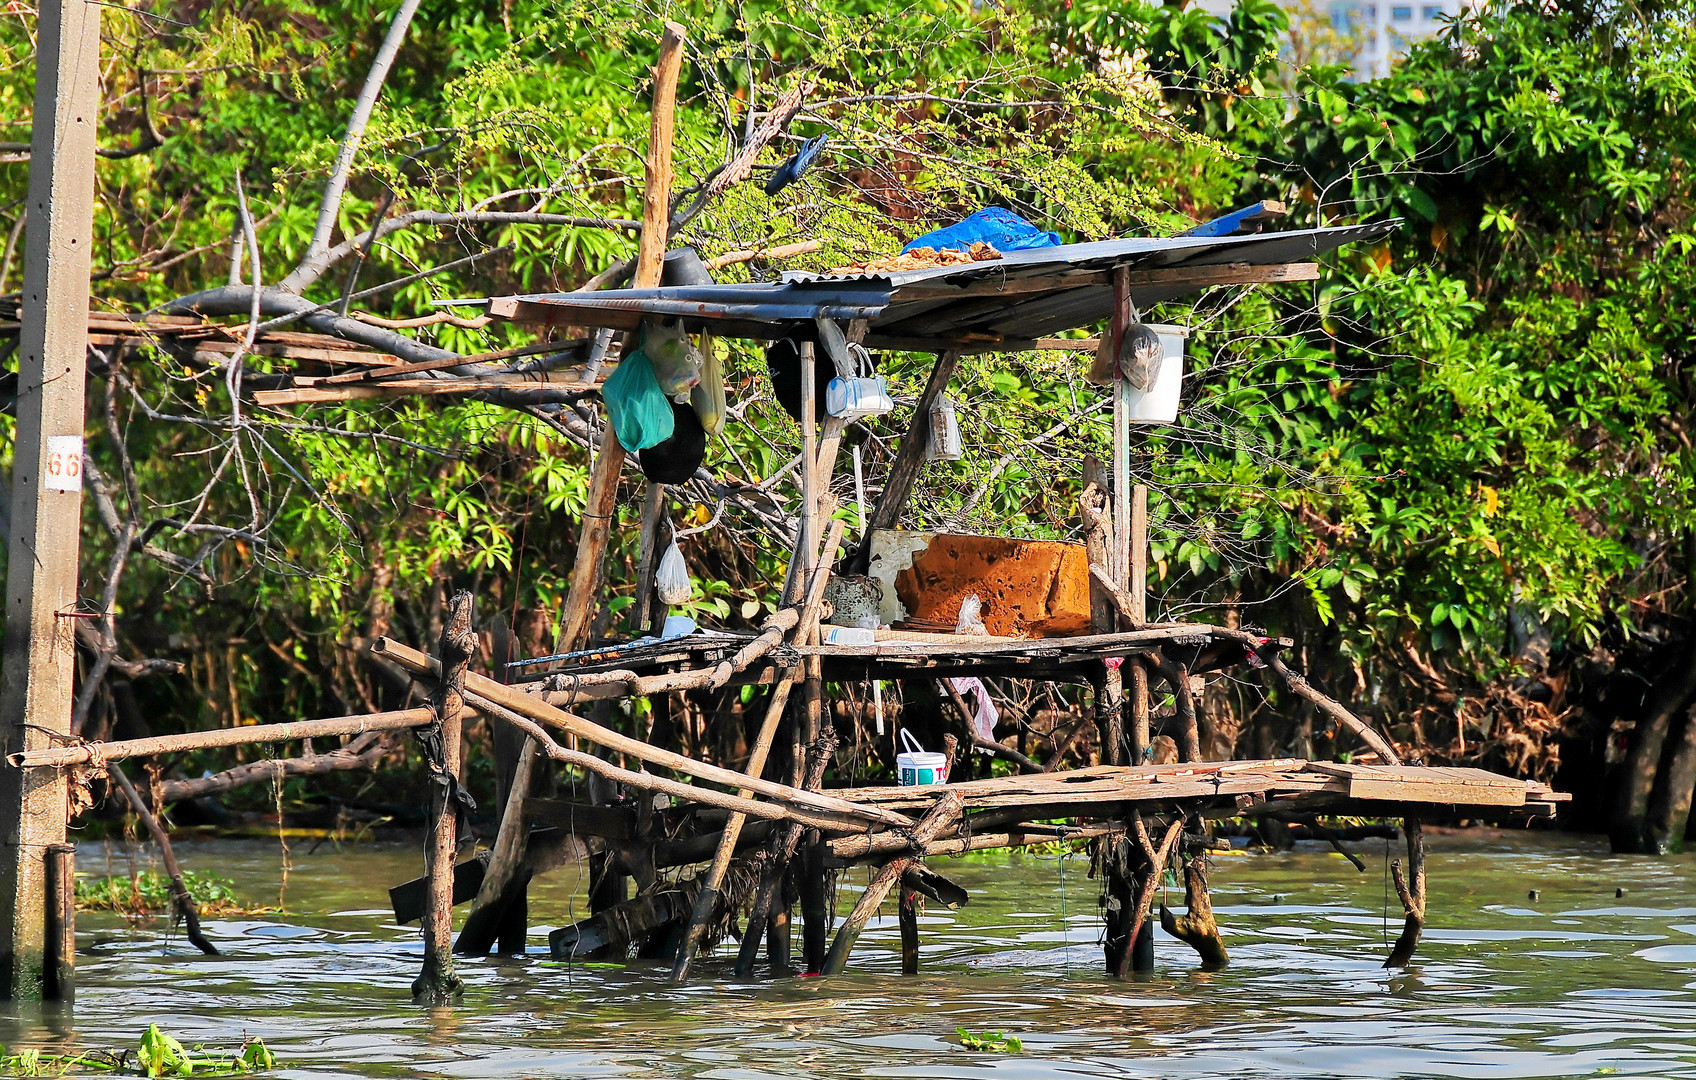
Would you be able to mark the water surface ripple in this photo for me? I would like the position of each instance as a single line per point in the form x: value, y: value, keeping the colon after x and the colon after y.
x: 1574, y: 983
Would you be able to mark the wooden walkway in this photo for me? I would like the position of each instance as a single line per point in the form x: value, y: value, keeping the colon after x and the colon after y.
x: 1235, y: 787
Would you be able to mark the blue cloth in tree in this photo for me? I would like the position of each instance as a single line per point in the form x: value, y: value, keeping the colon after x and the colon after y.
x: 641, y: 413
x: 1001, y: 229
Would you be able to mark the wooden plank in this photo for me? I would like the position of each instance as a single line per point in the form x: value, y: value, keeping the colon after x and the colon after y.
x: 552, y: 382
x: 584, y: 819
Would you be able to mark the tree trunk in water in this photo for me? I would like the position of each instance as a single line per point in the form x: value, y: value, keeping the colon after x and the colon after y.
x: 1631, y: 826
x: 1669, y: 814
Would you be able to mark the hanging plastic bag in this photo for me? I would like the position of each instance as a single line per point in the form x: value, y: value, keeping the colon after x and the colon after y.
x: 677, y: 364
x: 944, y: 441
x: 1140, y: 355
x: 672, y: 577
x: 708, y: 395
x: 971, y: 620
x: 641, y: 415
x: 862, y: 392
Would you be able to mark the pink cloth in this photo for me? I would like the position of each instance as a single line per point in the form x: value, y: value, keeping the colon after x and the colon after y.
x: 985, y: 716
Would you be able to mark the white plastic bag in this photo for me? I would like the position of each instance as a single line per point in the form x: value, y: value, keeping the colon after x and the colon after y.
x: 971, y: 621
x: 672, y: 577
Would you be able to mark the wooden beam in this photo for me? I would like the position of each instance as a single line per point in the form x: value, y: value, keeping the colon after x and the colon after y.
x: 600, y: 507
x: 82, y: 754
x: 538, y: 383
x: 909, y: 459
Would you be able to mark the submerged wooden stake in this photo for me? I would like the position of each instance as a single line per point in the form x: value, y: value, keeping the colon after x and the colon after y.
x: 1197, y: 927
x: 909, y: 927
x: 1410, y: 886
x: 438, y: 980
x: 766, y: 906
x: 941, y: 817
x: 505, y: 880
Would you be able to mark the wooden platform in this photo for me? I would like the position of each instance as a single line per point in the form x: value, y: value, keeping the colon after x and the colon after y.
x: 1228, y: 789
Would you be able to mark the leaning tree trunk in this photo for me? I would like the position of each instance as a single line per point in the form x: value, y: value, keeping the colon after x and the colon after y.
x: 1630, y: 829
x: 1669, y: 810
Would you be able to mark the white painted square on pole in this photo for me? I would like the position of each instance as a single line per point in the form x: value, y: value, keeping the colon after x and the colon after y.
x: 64, y: 463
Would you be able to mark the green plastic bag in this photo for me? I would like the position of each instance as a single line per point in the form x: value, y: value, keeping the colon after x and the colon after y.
x: 640, y: 411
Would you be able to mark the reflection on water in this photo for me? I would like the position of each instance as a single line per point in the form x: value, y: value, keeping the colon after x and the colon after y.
x: 1574, y: 983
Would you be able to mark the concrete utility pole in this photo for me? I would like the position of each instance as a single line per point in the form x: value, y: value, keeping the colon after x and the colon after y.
x: 41, y: 579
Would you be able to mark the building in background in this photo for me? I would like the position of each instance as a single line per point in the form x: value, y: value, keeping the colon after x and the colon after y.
x: 1365, y: 34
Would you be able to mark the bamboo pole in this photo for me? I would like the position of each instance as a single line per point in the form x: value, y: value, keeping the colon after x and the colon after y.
x: 187, y: 909
x: 437, y: 980
x: 601, y: 503
x: 828, y: 811
x: 644, y: 781
x: 97, y: 752
x: 771, y: 882
x: 941, y: 816
x: 707, y: 900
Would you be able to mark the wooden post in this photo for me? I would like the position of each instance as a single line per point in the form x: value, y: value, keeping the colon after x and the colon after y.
x: 1137, y: 585
x: 1410, y: 887
x: 493, y: 919
x: 939, y: 818
x: 46, y: 510
x: 61, y: 956
x: 1138, y: 706
x: 815, y: 905
x: 707, y: 900
x: 1109, y: 713
x: 774, y: 883
x: 648, y: 557
x: 600, y: 506
x: 909, y: 928
x: 437, y: 980
x: 904, y: 473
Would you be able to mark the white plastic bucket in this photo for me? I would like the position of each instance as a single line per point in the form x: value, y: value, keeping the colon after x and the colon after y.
x: 1159, y: 404
x: 916, y: 766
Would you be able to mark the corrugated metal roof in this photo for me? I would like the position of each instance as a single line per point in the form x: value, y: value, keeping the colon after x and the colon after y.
x: 1019, y: 297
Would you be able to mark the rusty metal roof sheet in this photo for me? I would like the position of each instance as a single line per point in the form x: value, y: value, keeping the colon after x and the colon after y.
x: 1002, y: 302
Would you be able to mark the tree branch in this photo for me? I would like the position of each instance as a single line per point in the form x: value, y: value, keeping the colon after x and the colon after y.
x: 312, y: 263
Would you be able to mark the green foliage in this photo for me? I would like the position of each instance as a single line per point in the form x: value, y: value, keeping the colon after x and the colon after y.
x: 149, y: 892
x: 991, y: 1042
x: 156, y: 1054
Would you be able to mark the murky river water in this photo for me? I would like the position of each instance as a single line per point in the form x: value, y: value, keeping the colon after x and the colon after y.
x: 1576, y: 983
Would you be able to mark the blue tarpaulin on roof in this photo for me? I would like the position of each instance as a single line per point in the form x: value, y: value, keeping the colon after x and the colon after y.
x: 1001, y: 229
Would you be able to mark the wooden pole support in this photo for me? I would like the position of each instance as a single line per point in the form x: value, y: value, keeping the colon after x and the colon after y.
x: 438, y: 980
x: 707, y: 900
x: 942, y: 816
x: 61, y: 957
x: 909, y: 926
x: 1410, y: 887
x: 601, y: 504
x: 505, y: 881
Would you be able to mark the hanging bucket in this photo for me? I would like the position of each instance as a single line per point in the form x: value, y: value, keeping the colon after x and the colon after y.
x: 917, y: 766
x: 1159, y: 403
